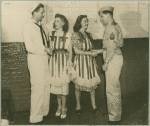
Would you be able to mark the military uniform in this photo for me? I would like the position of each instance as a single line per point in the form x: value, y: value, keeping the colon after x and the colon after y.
x: 113, y: 40
x: 38, y: 67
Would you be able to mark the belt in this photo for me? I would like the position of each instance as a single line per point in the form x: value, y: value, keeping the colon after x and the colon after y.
x: 60, y: 51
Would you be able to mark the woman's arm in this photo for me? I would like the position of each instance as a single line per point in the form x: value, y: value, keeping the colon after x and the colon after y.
x: 75, y: 38
x: 77, y: 51
x: 98, y: 51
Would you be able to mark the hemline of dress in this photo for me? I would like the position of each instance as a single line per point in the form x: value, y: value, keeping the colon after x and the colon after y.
x: 87, y: 89
x: 87, y: 83
x: 59, y: 82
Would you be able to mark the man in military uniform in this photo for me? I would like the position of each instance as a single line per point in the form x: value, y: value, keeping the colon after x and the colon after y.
x: 113, y: 62
x: 36, y: 45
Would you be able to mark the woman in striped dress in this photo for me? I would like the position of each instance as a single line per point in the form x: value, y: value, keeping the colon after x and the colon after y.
x: 84, y: 62
x: 59, y: 62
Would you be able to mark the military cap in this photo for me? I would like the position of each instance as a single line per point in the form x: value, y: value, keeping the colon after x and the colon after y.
x: 33, y: 6
x: 106, y: 8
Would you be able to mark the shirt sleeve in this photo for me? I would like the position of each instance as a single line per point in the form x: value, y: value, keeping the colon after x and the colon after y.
x: 75, y: 41
x: 29, y: 41
x: 111, y: 47
x: 119, y: 37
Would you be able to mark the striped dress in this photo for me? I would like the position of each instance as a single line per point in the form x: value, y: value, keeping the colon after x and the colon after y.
x: 84, y: 65
x: 58, y: 64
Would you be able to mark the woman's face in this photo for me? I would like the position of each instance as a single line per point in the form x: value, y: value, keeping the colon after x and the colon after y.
x: 58, y: 23
x: 85, y: 23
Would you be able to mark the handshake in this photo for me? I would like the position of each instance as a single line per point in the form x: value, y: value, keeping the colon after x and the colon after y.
x: 49, y: 50
x: 94, y: 53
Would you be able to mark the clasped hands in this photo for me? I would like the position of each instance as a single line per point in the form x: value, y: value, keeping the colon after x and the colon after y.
x: 94, y: 53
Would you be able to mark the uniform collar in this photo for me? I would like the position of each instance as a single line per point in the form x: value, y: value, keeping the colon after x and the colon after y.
x: 32, y: 21
x: 111, y: 23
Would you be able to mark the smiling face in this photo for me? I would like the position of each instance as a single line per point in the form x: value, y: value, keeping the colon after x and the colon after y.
x: 84, y: 23
x: 58, y: 23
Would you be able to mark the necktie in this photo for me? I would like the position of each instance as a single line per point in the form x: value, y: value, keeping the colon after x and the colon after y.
x: 42, y: 31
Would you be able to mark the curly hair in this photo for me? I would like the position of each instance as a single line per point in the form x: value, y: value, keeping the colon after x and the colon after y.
x: 65, y: 28
x: 77, y: 26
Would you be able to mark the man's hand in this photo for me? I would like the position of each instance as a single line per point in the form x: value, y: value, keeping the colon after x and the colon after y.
x: 49, y: 50
x: 105, y: 67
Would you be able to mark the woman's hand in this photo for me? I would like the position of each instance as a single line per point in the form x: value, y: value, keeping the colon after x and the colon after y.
x: 105, y: 67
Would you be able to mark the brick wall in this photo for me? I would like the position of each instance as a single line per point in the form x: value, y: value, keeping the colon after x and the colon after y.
x: 15, y: 75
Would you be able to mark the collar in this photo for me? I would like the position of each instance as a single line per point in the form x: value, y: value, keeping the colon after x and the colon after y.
x: 39, y: 23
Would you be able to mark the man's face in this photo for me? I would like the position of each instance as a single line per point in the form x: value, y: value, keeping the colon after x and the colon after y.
x: 40, y: 14
x: 104, y: 18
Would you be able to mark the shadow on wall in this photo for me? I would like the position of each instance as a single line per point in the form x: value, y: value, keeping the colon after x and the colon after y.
x: 131, y: 21
x: 95, y: 29
x: 48, y: 24
x: 71, y: 24
x: 50, y: 14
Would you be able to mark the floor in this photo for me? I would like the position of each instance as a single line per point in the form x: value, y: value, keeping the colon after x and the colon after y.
x: 134, y: 112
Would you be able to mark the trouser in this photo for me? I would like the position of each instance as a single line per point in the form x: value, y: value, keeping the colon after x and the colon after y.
x: 113, y: 90
x: 40, y: 88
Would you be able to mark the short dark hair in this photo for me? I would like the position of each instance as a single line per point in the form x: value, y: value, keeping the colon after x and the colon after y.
x: 77, y: 26
x: 64, y: 19
x: 106, y: 12
x: 38, y: 8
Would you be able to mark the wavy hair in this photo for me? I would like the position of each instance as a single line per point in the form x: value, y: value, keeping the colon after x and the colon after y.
x: 65, y: 28
x: 77, y: 26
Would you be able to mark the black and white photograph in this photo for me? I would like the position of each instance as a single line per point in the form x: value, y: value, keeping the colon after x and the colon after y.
x: 74, y: 63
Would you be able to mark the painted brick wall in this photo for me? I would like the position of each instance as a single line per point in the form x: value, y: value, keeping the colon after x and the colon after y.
x: 15, y: 75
